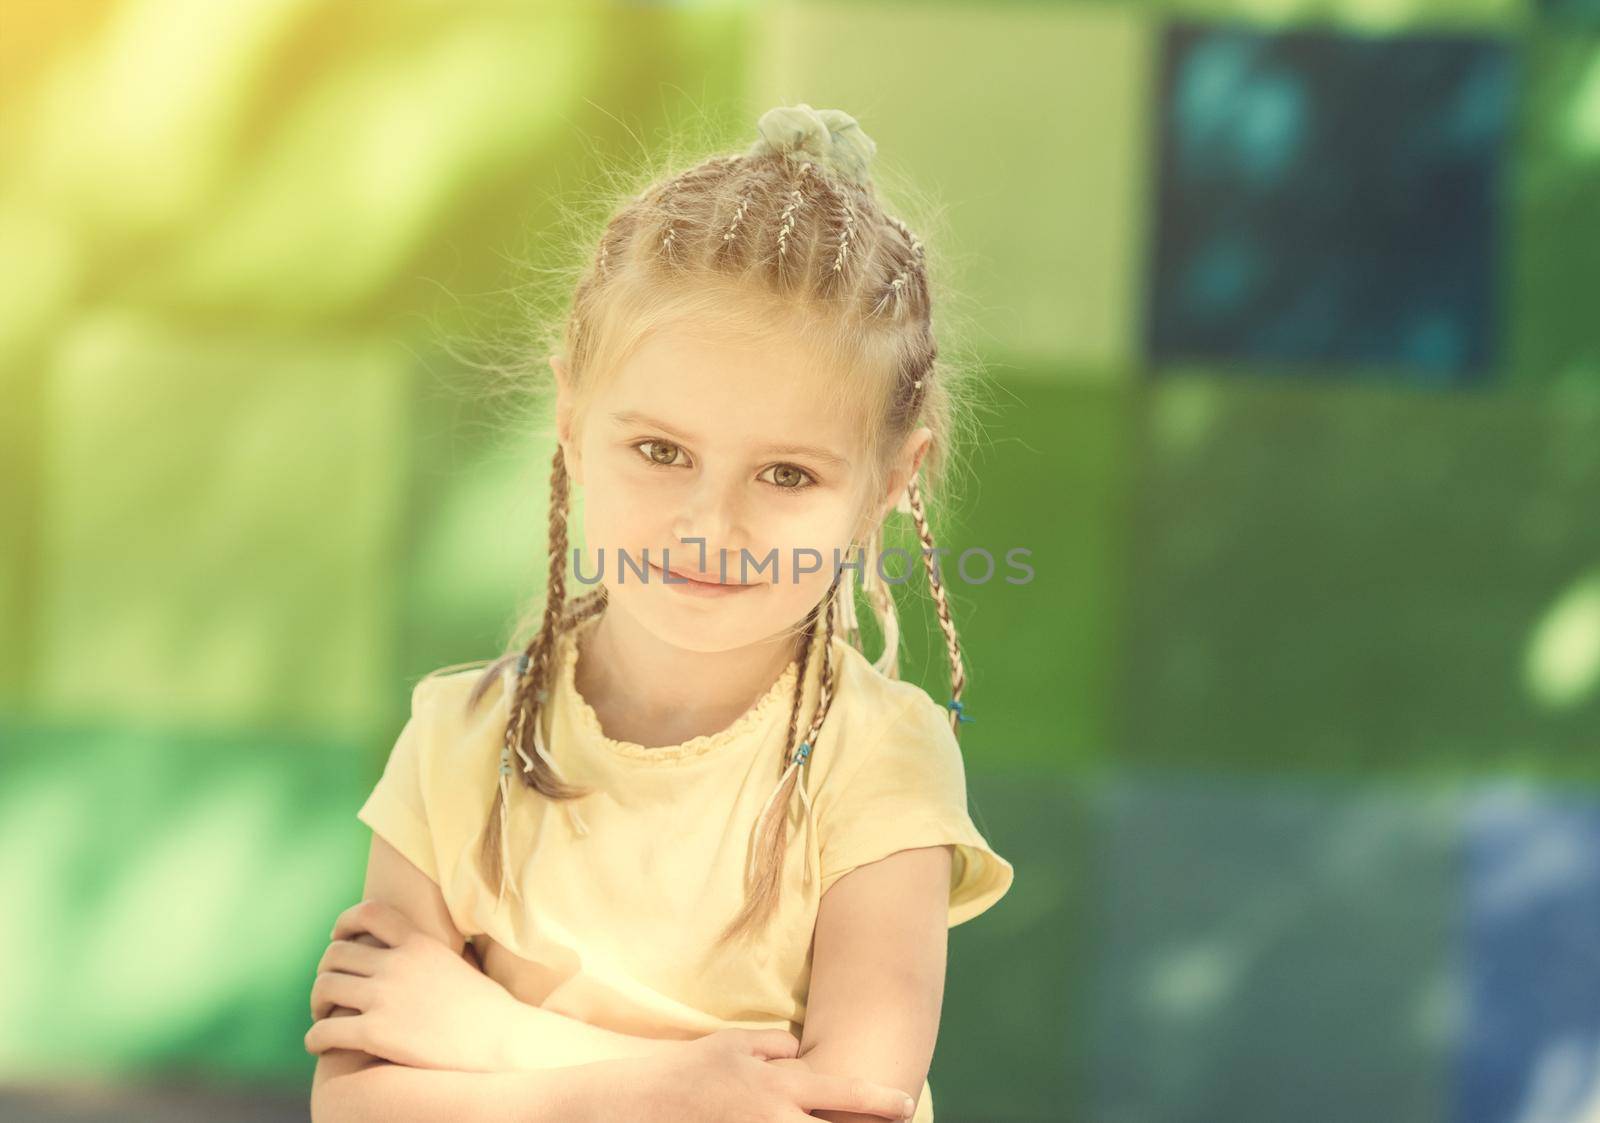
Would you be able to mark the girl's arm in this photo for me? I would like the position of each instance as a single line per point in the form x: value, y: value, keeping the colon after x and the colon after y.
x: 352, y: 1087
x: 505, y: 1034
x: 537, y: 1038
x: 352, y: 1084
x: 541, y: 1038
x: 877, y: 974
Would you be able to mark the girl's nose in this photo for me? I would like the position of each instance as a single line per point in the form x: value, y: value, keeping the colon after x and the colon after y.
x: 710, y: 512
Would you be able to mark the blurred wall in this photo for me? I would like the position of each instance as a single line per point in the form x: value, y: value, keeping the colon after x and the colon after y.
x: 1289, y: 308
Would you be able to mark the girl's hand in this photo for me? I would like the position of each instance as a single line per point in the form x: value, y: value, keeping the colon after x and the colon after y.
x: 415, y: 1001
x: 748, y: 1074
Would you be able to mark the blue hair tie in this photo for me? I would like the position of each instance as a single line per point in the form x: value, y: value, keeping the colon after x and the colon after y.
x: 955, y: 704
x: 522, y: 664
x: 802, y: 752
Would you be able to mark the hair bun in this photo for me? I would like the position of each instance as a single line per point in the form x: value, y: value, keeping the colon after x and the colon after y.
x: 830, y: 136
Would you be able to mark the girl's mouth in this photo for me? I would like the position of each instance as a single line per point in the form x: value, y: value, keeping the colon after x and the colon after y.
x: 691, y: 587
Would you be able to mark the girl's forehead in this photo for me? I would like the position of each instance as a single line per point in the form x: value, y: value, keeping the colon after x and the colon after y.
x: 722, y: 388
x: 681, y: 349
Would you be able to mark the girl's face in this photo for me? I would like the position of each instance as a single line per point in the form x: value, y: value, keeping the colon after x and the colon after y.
x: 697, y: 439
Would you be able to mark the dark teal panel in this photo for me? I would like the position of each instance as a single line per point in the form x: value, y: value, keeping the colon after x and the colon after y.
x: 1331, y: 201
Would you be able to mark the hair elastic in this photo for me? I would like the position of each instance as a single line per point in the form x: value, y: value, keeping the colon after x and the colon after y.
x: 830, y: 135
x: 955, y: 704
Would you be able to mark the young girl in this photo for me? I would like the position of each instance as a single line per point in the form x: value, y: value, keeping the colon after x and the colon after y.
x: 687, y: 854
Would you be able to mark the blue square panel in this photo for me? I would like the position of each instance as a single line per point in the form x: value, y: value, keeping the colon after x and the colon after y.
x: 1272, y: 949
x: 1326, y: 199
x: 1532, y: 1047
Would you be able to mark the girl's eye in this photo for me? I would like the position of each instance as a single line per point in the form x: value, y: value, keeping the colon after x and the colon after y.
x: 655, y: 455
x: 786, y: 477
x: 664, y: 454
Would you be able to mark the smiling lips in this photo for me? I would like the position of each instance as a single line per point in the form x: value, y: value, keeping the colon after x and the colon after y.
x: 703, y: 584
x: 702, y: 579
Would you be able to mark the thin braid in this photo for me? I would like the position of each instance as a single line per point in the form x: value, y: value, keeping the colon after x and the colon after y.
x: 803, y: 662
x: 786, y: 220
x: 849, y: 618
x: 527, y: 700
x: 738, y: 217
x: 771, y: 829
x: 770, y: 835
x: 615, y: 238
x: 709, y: 169
x: 883, y: 607
x: 727, y: 245
x: 825, y: 697
x: 905, y: 231
x: 958, y: 674
x: 907, y: 270
x: 891, y: 294
x: 847, y: 227
x: 556, y: 587
x: 555, y: 594
x: 582, y: 608
x: 668, y: 231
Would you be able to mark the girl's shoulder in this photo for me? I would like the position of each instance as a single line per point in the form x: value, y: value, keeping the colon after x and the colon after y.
x: 872, y: 703
x: 871, y: 683
x: 462, y: 705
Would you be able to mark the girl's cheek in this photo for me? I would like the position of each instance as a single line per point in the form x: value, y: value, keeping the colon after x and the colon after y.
x: 820, y: 528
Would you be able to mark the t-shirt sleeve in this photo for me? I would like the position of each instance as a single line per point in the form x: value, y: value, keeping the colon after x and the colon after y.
x: 909, y: 790
x: 396, y: 810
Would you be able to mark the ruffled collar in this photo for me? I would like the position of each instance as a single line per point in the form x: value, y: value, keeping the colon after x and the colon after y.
x: 775, y: 701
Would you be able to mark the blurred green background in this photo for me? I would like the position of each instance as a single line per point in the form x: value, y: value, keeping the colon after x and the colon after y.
x: 1289, y: 308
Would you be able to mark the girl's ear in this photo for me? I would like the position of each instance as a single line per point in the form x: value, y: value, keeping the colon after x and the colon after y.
x: 564, y: 405
x: 905, y: 466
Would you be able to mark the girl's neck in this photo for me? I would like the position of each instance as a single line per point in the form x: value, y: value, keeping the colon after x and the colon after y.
x: 655, y: 694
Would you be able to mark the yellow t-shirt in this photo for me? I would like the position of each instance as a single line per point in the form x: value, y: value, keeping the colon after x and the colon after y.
x: 624, y: 913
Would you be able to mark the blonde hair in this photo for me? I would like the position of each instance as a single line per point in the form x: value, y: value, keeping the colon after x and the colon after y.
x: 788, y: 237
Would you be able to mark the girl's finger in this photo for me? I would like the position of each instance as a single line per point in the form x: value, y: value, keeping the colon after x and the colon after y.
x: 351, y: 958
x: 850, y: 1093
x: 386, y: 922
x: 334, y: 988
x: 771, y: 1043
x: 337, y: 1033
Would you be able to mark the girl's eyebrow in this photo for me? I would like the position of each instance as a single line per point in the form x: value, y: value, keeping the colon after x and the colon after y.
x: 629, y: 417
